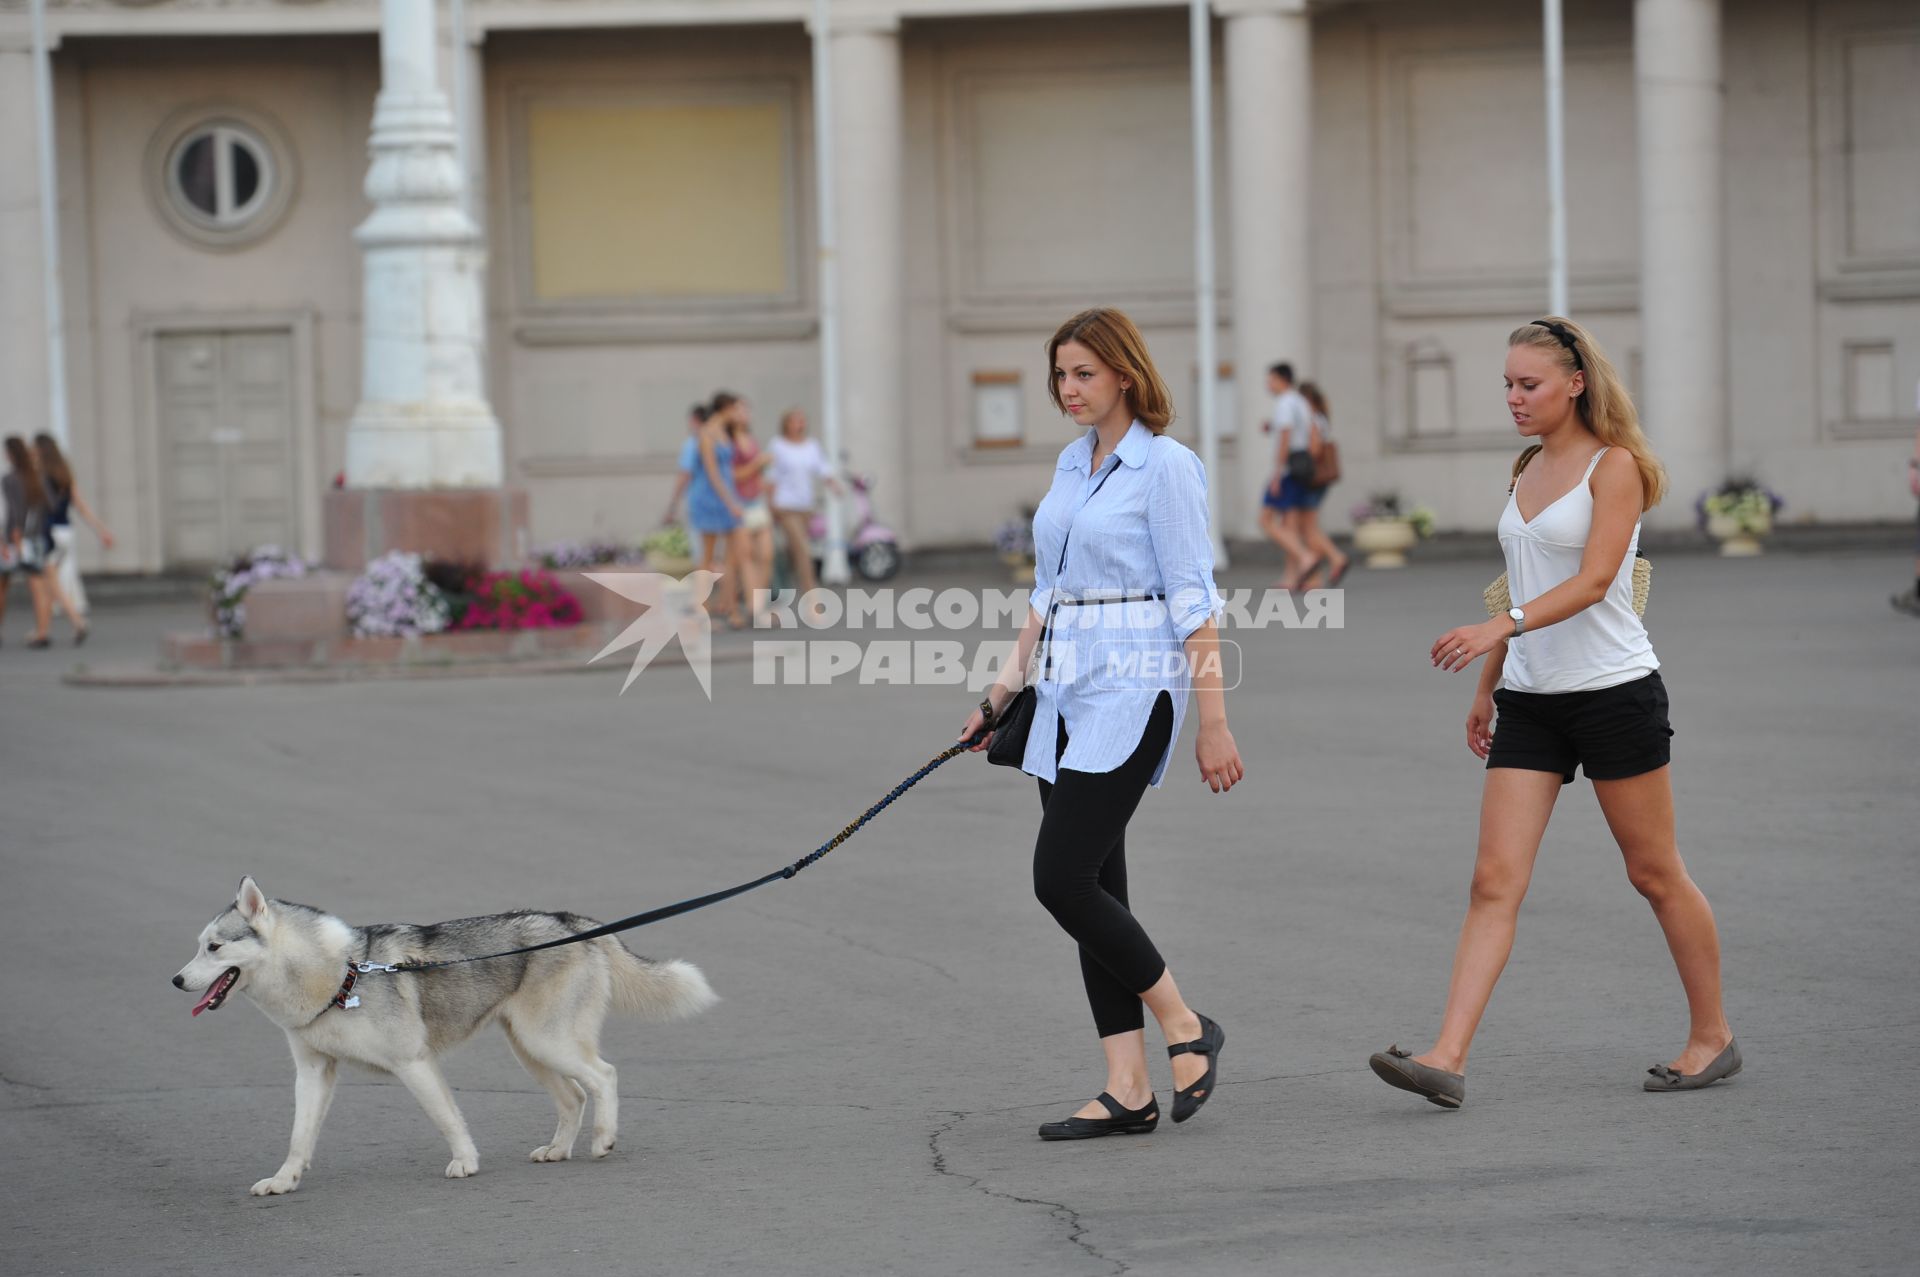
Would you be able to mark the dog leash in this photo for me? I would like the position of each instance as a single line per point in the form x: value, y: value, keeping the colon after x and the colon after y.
x: 357, y: 969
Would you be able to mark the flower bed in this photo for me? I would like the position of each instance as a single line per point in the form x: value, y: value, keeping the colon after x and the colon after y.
x: 530, y: 599
x: 228, y: 587
x: 394, y: 598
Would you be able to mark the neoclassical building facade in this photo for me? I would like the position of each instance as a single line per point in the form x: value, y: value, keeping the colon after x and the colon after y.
x: 1744, y: 230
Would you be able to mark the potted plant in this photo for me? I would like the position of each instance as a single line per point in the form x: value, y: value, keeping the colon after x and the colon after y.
x: 1014, y: 540
x: 1384, y: 534
x: 1738, y: 515
x: 668, y: 551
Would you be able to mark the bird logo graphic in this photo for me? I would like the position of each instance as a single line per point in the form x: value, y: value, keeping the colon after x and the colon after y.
x: 672, y: 610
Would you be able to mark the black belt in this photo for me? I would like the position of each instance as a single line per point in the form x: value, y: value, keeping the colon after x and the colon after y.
x: 1046, y: 635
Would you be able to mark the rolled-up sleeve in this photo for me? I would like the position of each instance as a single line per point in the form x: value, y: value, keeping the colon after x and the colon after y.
x: 1177, y: 522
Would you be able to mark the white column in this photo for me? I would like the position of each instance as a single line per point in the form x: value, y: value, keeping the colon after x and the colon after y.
x: 868, y: 205
x: 1269, y: 57
x: 423, y: 419
x: 1683, y: 290
x: 23, y: 309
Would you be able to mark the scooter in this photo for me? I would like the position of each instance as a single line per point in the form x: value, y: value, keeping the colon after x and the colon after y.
x: 871, y: 546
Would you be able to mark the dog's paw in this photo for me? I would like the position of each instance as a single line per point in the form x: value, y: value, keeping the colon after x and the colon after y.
x: 601, y: 1147
x: 551, y: 1153
x: 461, y: 1167
x: 284, y: 1182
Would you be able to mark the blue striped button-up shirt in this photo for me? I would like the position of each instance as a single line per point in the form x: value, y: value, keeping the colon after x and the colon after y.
x: 1139, y: 527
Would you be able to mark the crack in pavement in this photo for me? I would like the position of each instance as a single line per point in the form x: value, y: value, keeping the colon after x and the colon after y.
x: 1065, y: 1214
x: 31, y: 1086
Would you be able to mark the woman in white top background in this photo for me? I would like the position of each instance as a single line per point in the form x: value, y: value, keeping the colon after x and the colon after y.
x: 797, y: 462
x: 1581, y: 686
x: 1123, y: 566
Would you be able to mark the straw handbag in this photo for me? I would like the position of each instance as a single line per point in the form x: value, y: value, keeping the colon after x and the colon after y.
x: 1498, y: 599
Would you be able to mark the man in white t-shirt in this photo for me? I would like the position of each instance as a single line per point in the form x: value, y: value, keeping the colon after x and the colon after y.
x: 1292, y: 420
x: 1908, y: 601
x: 1292, y: 415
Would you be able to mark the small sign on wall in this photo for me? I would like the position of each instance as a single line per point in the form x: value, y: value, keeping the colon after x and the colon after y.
x: 996, y: 410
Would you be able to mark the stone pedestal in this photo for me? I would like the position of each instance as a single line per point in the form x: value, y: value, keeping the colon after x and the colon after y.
x: 464, y: 525
x: 307, y: 607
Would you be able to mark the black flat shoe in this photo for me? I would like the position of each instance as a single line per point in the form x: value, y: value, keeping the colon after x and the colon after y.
x: 39, y: 643
x: 1140, y: 1121
x: 1212, y: 1037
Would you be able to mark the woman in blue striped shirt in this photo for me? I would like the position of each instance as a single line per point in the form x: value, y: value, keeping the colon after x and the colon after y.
x: 1125, y: 599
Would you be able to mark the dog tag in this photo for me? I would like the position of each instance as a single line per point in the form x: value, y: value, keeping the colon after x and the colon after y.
x: 350, y: 1003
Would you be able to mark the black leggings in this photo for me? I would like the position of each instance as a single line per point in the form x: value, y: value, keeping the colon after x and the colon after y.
x: 1080, y: 873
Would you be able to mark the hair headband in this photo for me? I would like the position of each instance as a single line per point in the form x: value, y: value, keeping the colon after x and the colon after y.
x: 1565, y: 338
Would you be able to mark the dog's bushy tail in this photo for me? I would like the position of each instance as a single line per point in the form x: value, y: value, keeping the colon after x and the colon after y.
x: 656, y: 990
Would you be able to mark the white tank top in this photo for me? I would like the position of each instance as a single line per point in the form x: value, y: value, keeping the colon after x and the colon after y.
x: 1603, y: 646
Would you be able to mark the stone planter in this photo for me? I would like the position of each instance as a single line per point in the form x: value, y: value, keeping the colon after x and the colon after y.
x: 1738, y: 540
x: 1385, y: 542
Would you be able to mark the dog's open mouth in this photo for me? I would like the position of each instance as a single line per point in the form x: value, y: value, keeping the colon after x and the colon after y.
x: 217, y: 991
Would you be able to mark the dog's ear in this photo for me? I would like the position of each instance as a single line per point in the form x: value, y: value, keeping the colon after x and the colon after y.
x: 250, y: 900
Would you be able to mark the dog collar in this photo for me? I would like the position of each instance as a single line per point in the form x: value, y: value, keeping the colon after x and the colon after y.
x: 346, y: 999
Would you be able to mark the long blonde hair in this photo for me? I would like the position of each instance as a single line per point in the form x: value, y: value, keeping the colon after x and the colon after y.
x: 1113, y: 339
x: 1604, y: 406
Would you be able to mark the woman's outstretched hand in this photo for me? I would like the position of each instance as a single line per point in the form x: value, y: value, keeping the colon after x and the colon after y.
x: 1219, y: 757
x: 1461, y: 647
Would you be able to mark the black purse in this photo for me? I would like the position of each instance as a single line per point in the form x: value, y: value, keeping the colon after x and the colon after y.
x: 1012, y: 726
x: 1008, y: 748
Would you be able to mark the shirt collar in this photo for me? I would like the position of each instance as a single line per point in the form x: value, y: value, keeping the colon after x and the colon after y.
x: 1132, y: 450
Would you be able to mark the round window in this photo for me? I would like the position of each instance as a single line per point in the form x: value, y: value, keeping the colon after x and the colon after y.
x: 222, y: 175
x: 222, y: 181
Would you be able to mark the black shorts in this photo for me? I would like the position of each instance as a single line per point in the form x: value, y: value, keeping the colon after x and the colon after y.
x: 1613, y: 733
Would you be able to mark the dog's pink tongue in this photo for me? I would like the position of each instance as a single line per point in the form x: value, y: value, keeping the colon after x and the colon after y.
x: 212, y: 991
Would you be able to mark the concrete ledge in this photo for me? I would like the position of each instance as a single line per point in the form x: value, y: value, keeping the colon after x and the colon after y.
x: 203, y: 652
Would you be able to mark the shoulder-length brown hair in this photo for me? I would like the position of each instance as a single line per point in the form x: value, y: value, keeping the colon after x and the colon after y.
x: 53, y: 465
x: 1115, y: 342
x: 20, y: 457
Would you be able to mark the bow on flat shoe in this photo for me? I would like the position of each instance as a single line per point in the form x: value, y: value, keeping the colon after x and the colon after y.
x: 1724, y: 1065
x: 1398, y: 1068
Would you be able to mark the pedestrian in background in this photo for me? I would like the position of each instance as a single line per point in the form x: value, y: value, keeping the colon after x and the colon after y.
x: 750, y: 462
x: 1306, y: 516
x: 798, y: 462
x: 63, y: 564
x: 1292, y: 421
x: 23, y: 538
x: 688, y: 461
x: 1582, y: 688
x: 714, y: 510
x: 1908, y: 601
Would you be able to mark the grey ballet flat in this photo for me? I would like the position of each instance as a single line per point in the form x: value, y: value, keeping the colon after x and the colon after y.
x: 1397, y: 1068
x: 1724, y: 1065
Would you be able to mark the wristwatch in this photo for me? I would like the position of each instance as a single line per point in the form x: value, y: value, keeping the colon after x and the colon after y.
x: 1519, y: 621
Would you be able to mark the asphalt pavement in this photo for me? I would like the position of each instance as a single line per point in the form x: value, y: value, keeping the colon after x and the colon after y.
x: 897, y: 1020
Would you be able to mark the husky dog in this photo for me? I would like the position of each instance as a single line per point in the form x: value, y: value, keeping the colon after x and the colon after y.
x: 293, y: 963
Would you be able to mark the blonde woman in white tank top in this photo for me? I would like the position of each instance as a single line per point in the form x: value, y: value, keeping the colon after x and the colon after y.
x: 1575, y: 682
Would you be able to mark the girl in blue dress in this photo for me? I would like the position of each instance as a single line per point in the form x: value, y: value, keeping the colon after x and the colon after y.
x: 714, y: 510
